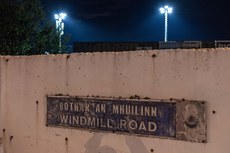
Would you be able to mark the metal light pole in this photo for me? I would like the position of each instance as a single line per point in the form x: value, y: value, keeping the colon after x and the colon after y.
x: 60, y: 26
x: 166, y: 10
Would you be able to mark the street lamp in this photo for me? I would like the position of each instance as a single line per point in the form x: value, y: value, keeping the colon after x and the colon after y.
x: 166, y: 10
x: 60, y: 26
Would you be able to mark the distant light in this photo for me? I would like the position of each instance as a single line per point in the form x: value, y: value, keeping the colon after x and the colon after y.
x: 162, y: 10
x: 60, y: 16
x: 170, y: 10
x: 56, y: 16
x: 60, y: 26
x: 166, y: 10
x: 63, y: 15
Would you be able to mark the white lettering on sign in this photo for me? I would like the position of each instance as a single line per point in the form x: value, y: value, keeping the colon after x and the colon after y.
x: 95, y: 122
x: 135, y: 110
x: 77, y: 107
x: 122, y: 116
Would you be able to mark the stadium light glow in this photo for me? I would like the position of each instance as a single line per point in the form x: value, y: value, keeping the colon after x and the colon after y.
x: 166, y: 10
x: 60, y: 26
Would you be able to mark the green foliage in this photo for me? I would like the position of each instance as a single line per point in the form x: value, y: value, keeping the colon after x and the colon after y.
x: 25, y: 29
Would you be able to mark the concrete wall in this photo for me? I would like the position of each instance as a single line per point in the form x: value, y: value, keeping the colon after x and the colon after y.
x: 190, y: 74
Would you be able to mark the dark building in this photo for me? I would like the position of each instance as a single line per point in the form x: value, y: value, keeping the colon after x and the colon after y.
x: 135, y: 46
x: 112, y: 46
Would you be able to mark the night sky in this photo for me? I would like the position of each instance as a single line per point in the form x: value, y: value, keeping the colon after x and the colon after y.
x: 140, y: 20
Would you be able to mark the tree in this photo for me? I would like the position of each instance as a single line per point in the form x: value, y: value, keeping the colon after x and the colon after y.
x: 25, y: 30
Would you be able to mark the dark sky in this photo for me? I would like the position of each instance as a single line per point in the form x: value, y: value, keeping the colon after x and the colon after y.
x: 140, y: 20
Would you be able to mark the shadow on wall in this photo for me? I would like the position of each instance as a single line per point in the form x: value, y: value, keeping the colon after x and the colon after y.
x: 134, y: 144
x: 93, y: 145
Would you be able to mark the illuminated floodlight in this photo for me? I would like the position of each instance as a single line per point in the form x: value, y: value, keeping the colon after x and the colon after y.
x: 162, y: 10
x: 170, y: 10
x: 166, y: 10
x: 62, y: 15
x: 60, y: 26
x: 56, y: 16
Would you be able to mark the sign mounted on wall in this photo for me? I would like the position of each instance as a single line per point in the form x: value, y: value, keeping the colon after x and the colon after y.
x: 182, y: 120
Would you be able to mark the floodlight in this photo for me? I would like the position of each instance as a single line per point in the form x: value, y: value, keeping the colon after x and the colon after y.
x: 62, y: 15
x: 60, y: 26
x: 162, y: 10
x: 56, y: 16
x: 166, y: 10
x: 170, y: 10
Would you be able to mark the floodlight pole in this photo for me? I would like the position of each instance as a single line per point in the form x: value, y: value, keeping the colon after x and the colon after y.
x: 166, y: 25
x: 60, y: 26
x: 166, y: 10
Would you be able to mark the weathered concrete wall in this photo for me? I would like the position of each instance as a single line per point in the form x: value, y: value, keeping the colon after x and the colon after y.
x: 190, y: 74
